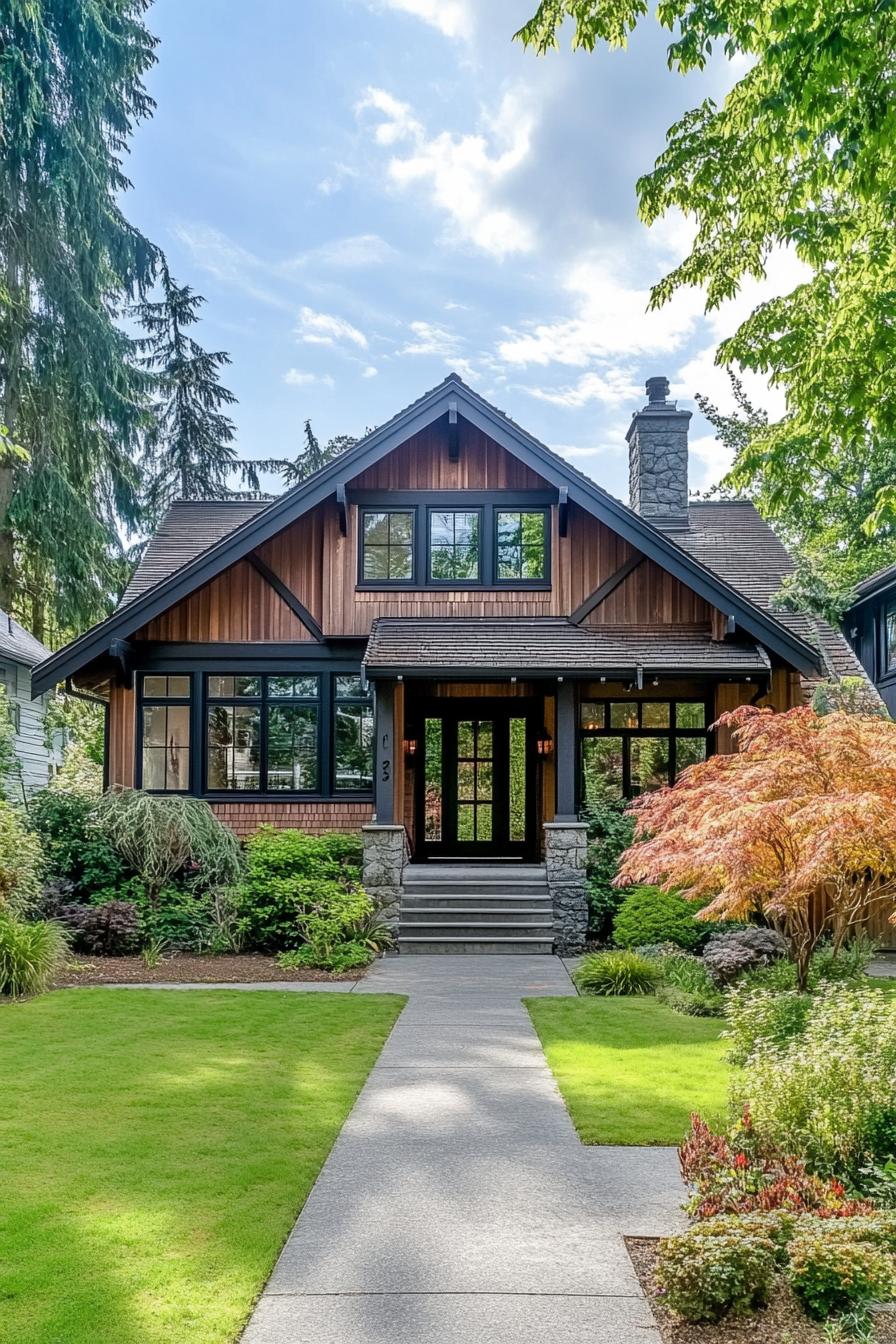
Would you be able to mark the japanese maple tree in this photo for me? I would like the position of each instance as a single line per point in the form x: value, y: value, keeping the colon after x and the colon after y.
x: 798, y: 826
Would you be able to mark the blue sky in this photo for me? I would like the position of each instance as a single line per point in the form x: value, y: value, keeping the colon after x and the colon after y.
x: 372, y: 192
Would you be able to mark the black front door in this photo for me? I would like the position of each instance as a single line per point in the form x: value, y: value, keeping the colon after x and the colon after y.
x: 476, y: 779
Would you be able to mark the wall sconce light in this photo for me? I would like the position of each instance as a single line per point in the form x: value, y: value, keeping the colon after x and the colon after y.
x: 544, y: 744
x: 410, y: 747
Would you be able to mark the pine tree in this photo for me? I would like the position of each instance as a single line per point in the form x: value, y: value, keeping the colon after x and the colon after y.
x: 71, y: 392
x: 312, y: 458
x: 189, y: 451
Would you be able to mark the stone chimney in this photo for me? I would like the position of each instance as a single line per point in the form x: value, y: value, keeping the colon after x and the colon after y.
x: 658, y: 458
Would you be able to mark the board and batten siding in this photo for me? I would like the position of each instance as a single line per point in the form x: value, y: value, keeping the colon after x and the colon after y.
x: 29, y: 742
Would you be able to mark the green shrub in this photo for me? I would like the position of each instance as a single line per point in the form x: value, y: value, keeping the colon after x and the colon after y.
x: 75, y: 850
x: 163, y: 837
x: 833, y: 1273
x: 178, y: 918
x: 777, y: 1226
x: 686, y: 986
x: 372, y: 931
x: 610, y: 832
x: 651, y: 915
x: 21, y: 863
x: 616, y: 973
x: 828, y: 1093
x: 847, y: 966
x: 343, y: 957
x: 763, y: 1017
x: 30, y: 954
x: 283, y: 870
x: 705, y: 1276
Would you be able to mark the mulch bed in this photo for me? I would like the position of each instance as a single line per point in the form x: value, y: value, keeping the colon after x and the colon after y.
x: 187, y: 968
x: 782, y: 1322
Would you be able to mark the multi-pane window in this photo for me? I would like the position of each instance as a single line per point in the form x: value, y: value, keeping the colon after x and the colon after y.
x: 387, y: 545
x: 233, y: 733
x: 520, y: 552
x: 890, y: 640
x: 454, y: 545
x: 165, y: 733
x: 629, y: 747
x: 293, y: 734
x: 353, y: 735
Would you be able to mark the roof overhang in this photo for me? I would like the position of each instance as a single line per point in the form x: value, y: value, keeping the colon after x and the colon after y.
x: 653, y: 543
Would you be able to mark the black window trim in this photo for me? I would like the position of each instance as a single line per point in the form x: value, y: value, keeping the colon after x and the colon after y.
x: 143, y: 701
x: 672, y: 733
x: 367, y: 702
x: 423, y: 503
x: 412, y: 511
x: 273, y: 665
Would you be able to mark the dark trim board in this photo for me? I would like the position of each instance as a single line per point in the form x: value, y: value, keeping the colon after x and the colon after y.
x: 608, y: 586
x: 433, y: 406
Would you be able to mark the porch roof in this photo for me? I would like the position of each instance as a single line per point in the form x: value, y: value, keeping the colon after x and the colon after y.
x: 545, y: 646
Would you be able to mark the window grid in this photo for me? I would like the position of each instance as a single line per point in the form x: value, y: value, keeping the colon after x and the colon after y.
x: 520, y: 545
x: 455, y: 551
x: 165, y: 733
x: 632, y: 746
x: 387, y: 545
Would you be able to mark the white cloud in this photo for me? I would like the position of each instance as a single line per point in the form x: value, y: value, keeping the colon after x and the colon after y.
x: 228, y: 262
x: 454, y: 18
x: 614, y: 387
x: 325, y: 329
x: 711, y: 460
x: 610, y: 319
x: 302, y: 378
x: 359, y: 250
x: 464, y: 175
x: 370, y: 372
x: 430, y: 339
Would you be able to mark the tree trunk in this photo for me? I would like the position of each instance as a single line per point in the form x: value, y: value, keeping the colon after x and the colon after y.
x: 8, y: 576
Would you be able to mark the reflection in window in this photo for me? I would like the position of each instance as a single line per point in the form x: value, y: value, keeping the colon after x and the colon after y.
x: 517, y: 779
x: 234, y: 747
x: 229, y: 688
x: 890, y: 640
x: 165, y: 734
x: 353, y: 711
x: 292, y: 748
x: 648, y: 763
x: 387, y: 541
x: 601, y: 769
x: 454, y: 546
x: 432, y: 780
x: 688, y: 751
x: 521, y: 548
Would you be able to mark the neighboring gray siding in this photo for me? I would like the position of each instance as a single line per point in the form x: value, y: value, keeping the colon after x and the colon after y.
x: 30, y: 747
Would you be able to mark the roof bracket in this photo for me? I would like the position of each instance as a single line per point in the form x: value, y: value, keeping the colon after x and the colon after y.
x: 453, y: 433
x: 341, y: 506
x: 563, y: 509
x: 122, y: 652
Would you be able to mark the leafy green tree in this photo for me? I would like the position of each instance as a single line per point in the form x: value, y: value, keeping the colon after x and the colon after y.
x: 189, y: 451
x: 801, y: 154
x: 71, y: 394
x: 821, y: 524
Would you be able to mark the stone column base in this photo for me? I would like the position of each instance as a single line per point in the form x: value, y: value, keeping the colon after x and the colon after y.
x: 385, y: 854
x: 565, y: 846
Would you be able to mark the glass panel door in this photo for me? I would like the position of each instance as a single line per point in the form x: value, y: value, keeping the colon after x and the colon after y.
x: 475, y: 779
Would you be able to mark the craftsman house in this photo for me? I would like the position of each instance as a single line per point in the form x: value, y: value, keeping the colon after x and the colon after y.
x: 450, y: 637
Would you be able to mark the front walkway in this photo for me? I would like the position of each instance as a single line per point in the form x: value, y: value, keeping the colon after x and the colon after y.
x: 458, y: 1204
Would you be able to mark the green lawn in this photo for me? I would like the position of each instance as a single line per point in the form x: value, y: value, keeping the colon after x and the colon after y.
x: 630, y: 1069
x: 155, y: 1148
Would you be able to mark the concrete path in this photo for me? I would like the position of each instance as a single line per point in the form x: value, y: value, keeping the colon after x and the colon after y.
x: 458, y: 1205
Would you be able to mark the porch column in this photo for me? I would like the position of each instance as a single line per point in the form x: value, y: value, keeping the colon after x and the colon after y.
x: 384, y: 755
x: 565, y: 752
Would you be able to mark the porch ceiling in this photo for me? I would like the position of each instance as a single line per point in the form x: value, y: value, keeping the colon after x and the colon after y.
x: 548, y: 646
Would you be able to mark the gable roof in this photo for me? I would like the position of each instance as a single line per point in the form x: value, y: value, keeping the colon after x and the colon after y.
x: 452, y: 393
x: 18, y: 644
x: 189, y: 527
x: 875, y: 583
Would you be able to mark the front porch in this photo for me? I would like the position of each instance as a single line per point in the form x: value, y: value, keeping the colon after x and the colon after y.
x: 491, y: 738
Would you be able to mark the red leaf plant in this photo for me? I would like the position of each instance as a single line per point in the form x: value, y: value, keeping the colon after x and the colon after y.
x: 750, y: 1179
x: 797, y: 826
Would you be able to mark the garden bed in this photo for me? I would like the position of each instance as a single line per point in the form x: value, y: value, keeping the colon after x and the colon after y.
x: 188, y: 968
x: 783, y: 1321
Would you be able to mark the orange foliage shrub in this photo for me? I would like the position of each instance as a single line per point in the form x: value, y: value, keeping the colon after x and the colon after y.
x: 798, y: 826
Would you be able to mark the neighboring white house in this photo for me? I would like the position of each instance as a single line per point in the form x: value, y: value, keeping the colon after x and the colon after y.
x: 19, y: 652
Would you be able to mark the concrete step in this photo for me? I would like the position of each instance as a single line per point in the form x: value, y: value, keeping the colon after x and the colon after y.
x: 477, y: 890
x: 444, y: 914
x: 479, y: 928
x: 521, y: 945
x: 535, y: 905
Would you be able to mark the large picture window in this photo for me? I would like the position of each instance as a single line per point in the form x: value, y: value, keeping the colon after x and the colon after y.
x: 387, y: 545
x: 165, y: 734
x: 353, y: 736
x: 628, y: 747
